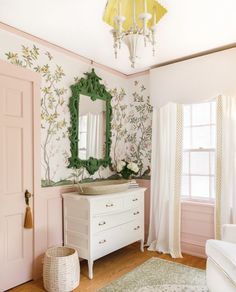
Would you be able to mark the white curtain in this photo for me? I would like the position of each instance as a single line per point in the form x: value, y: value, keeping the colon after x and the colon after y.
x: 226, y: 163
x: 95, y: 135
x: 164, y: 230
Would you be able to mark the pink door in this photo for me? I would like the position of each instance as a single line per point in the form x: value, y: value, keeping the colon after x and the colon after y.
x: 16, y: 175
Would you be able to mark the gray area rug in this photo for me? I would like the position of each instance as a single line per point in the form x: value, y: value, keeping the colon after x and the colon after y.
x: 157, y: 275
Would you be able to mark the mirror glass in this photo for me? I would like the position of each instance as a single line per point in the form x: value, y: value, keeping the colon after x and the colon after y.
x: 91, y: 128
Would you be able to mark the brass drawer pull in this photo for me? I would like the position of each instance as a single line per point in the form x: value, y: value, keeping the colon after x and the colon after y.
x: 136, y: 228
x: 136, y: 213
x: 102, y: 241
x: 134, y: 200
x: 102, y: 223
x: 109, y: 205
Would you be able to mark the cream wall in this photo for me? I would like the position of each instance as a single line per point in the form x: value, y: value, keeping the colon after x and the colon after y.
x: 194, y: 80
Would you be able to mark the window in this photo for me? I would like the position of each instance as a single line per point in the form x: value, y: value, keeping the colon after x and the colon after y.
x: 199, y: 143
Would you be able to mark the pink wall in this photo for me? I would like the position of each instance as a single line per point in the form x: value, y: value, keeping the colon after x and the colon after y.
x: 197, y: 225
x: 48, y: 223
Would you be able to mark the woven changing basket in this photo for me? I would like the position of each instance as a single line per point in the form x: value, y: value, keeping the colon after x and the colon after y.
x: 61, y: 269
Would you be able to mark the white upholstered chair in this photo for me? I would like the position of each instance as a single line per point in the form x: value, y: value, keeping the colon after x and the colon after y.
x: 221, y: 261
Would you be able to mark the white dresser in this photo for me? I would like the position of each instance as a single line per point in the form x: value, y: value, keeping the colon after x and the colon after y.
x: 99, y: 225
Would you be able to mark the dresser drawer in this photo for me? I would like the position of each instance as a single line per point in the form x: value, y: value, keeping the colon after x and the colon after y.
x: 103, y: 222
x: 134, y: 200
x: 107, y: 205
x: 110, y: 240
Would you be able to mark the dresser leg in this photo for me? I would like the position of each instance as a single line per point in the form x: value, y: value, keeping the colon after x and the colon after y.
x: 90, y: 269
x: 142, y: 245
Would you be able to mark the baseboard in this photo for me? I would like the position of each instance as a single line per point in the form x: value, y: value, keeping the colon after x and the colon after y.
x: 193, y: 249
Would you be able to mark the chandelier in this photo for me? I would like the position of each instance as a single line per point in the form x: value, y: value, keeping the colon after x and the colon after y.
x: 134, y: 22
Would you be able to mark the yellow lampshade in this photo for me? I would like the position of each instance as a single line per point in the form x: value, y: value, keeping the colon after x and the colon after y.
x: 126, y: 8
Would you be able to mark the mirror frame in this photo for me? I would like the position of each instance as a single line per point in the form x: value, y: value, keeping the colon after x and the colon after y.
x: 91, y: 87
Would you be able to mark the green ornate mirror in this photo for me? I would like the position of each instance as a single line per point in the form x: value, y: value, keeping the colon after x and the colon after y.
x: 90, y: 131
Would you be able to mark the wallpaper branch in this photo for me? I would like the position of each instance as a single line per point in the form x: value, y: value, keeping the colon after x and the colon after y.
x: 140, y: 134
x: 132, y: 127
x: 131, y: 116
x: 118, y: 120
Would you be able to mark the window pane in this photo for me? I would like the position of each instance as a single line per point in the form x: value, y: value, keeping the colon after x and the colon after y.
x: 82, y: 140
x: 198, y: 169
x: 213, y: 112
x: 201, y: 114
x: 199, y: 162
x: 185, y: 166
x: 213, y: 136
x: 200, y: 186
x: 212, y: 162
x: 201, y: 137
x: 187, y: 138
x: 187, y: 115
x: 185, y: 186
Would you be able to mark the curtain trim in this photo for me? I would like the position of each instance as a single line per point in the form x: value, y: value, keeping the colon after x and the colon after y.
x: 176, y: 249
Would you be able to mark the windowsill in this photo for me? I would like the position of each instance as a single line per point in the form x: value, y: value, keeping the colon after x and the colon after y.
x: 198, y: 202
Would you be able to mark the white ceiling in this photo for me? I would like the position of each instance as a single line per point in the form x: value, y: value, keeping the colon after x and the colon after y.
x: 189, y: 27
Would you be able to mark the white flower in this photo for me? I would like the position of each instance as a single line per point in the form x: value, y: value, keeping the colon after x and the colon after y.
x: 120, y: 165
x: 133, y: 166
x: 130, y: 165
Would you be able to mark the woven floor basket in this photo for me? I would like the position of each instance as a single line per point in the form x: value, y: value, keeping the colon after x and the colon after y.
x: 61, y: 269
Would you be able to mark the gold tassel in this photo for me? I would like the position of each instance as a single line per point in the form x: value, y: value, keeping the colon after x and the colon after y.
x: 28, y: 218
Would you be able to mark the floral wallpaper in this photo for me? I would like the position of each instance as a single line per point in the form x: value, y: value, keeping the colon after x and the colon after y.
x: 131, y: 127
x: 131, y: 120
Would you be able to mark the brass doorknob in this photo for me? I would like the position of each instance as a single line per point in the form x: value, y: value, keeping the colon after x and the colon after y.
x: 28, y: 195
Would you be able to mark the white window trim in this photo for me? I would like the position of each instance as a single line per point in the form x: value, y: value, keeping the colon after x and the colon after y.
x: 189, y: 198
x: 199, y: 150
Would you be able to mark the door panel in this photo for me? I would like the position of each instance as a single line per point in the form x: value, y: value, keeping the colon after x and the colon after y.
x: 16, y: 175
x: 13, y: 102
x: 14, y: 234
x: 14, y: 163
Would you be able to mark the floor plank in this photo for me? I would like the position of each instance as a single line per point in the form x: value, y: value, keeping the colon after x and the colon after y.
x: 112, y: 266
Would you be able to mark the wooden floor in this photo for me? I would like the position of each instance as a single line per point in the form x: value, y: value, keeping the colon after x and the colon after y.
x: 112, y: 266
